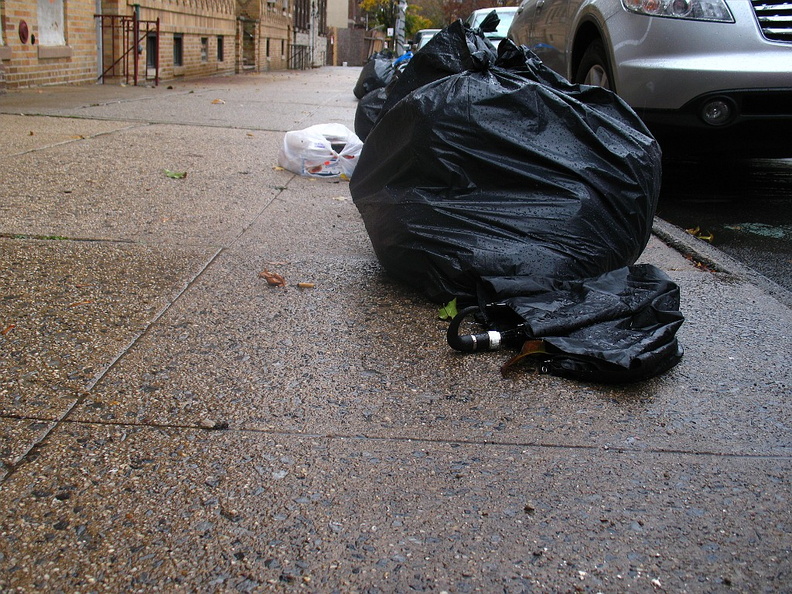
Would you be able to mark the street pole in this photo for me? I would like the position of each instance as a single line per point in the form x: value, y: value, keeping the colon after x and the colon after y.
x: 400, y: 23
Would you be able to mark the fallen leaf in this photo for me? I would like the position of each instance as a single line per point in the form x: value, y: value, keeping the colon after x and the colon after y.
x: 31, y: 133
x: 175, y: 174
x: 76, y: 303
x: 7, y: 329
x: 706, y: 236
x: 273, y: 278
x: 699, y: 234
x: 278, y: 168
x: 698, y: 264
x: 449, y: 310
x: 218, y: 102
x: 306, y: 285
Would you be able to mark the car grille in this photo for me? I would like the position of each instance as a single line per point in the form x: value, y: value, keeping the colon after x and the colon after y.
x: 775, y: 19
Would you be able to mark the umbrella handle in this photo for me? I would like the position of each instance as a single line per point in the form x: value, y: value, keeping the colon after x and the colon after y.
x: 470, y: 343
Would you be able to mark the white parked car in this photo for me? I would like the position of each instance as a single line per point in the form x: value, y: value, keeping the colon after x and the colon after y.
x: 505, y: 14
x: 422, y: 37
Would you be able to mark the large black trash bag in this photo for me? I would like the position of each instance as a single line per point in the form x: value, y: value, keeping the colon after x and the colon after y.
x: 502, y: 170
x: 618, y: 327
x: 376, y: 73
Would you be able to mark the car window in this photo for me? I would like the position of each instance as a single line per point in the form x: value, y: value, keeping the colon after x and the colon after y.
x: 506, y: 17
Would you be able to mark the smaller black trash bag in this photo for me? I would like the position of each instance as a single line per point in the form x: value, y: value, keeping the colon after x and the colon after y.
x: 455, y: 49
x: 618, y: 327
x: 376, y: 73
x: 370, y: 106
x: 368, y: 110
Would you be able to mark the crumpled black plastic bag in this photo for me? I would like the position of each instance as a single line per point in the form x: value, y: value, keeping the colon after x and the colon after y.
x: 618, y: 327
x: 494, y: 166
x: 454, y: 50
x: 368, y: 111
x: 376, y: 73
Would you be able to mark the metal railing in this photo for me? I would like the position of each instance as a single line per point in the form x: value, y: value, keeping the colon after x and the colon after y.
x: 299, y: 57
x: 126, y: 36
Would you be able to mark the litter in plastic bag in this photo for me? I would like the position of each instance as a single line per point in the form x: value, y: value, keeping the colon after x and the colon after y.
x: 502, y: 169
x: 618, y: 327
x: 324, y: 150
x: 376, y: 73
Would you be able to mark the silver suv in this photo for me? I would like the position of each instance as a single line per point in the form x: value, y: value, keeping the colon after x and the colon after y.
x: 705, y: 75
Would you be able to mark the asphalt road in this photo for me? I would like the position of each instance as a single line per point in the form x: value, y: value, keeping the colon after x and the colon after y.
x: 743, y: 208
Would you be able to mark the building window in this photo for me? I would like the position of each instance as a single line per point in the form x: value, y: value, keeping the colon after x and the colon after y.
x: 268, y: 47
x: 322, y: 10
x: 220, y: 56
x: 50, y: 22
x: 302, y: 15
x: 283, y: 47
x: 178, y: 49
x: 151, y: 50
x: 204, y: 49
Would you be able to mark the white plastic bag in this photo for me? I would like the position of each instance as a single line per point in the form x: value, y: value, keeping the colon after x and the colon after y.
x: 324, y: 150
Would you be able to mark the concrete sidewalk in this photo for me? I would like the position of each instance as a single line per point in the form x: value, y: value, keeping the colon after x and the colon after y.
x: 169, y: 422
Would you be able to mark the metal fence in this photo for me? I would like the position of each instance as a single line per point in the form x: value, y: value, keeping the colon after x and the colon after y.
x: 299, y: 57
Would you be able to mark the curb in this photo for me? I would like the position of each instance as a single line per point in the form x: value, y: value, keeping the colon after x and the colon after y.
x: 717, y: 260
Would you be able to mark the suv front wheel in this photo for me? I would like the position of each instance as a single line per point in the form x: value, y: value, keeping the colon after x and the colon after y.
x: 594, y: 68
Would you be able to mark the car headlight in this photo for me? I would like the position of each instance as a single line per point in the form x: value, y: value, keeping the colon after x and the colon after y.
x: 696, y: 10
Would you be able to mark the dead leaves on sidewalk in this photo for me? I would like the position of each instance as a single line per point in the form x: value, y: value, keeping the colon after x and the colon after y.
x: 273, y: 278
x: 277, y: 280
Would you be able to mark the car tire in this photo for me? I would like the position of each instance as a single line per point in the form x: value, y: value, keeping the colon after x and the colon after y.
x: 594, y: 67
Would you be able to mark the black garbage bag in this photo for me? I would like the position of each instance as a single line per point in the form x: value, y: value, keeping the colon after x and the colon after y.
x: 618, y: 327
x: 368, y: 110
x: 454, y: 50
x: 497, y: 167
x: 377, y: 72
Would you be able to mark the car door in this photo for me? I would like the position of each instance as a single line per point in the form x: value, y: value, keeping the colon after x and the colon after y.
x: 550, y: 31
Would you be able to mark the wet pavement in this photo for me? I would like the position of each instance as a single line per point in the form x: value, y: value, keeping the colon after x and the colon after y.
x: 168, y: 421
x: 742, y: 207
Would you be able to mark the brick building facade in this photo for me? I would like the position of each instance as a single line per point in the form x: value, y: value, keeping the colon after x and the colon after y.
x: 44, y: 42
